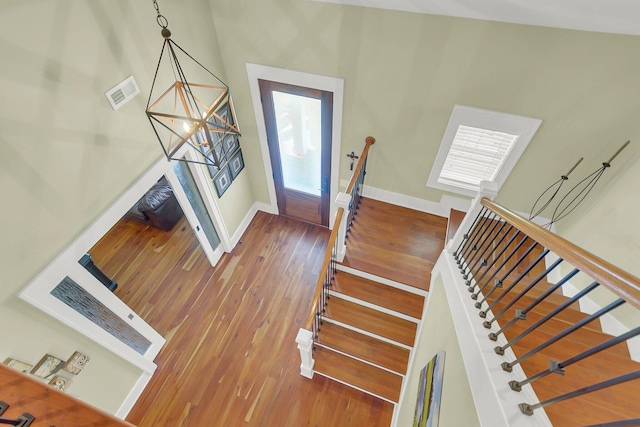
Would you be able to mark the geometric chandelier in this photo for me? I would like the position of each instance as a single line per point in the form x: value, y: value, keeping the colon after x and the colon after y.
x: 184, y: 112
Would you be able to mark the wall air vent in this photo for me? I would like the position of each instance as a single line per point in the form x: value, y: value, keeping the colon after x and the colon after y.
x: 122, y: 93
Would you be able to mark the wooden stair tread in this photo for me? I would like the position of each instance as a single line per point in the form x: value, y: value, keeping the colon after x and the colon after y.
x: 373, y: 321
x: 358, y: 374
x: 570, y: 314
x: 583, y: 373
x: 576, y: 412
x: 379, y: 294
x: 581, y: 339
x: 453, y: 223
x: 364, y: 347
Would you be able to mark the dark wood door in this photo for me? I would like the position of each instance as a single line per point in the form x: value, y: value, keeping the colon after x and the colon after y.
x: 299, y: 125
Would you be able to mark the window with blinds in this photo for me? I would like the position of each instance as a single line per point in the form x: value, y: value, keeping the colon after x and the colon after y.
x: 479, y: 145
x: 475, y: 155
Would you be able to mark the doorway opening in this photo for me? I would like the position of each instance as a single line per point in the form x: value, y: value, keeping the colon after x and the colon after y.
x: 329, y: 186
x: 298, y: 123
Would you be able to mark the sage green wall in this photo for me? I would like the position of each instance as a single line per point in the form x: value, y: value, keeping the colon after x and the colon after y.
x: 438, y: 333
x: 403, y: 73
x: 607, y: 226
x: 65, y: 154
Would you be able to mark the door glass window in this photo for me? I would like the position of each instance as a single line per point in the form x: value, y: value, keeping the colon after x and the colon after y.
x: 298, y: 123
x: 195, y: 199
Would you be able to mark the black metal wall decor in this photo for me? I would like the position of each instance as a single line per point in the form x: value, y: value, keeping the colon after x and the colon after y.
x: 575, y: 195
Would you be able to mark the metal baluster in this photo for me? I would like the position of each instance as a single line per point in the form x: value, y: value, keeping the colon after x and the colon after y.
x: 504, y: 276
x: 488, y: 266
x: 488, y: 241
x: 558, y: 368
x: 466, y: 235
x: 493, y: 336
x: 472, y: 237
x: 528, y: 409
x: 498, y: 283
x: 522, y: 315
x: 497, y: 270
x: 634, y: 422
x: 508, y: 365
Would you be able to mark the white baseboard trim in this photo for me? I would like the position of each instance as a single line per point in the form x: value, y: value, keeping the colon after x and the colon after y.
x: 133, y: 395
x: 257, y: 206
x: 441, y: 208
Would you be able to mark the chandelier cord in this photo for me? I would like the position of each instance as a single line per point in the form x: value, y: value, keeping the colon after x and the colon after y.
x: 160, y: 19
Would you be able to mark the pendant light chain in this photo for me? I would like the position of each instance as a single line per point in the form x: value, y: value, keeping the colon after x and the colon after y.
x: 160, y: 19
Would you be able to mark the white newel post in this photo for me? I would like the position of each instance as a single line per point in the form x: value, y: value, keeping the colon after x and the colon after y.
x: 488, y: 190
x: 305, y: 345
x: 343, y: 201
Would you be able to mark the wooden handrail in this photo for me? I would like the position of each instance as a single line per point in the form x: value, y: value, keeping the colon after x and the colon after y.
x: 49, y: 405
x: 618, y: 281
x: 369, y: 141
x: 325, y: 266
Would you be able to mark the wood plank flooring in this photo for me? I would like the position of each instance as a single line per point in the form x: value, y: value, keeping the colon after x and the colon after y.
x: 230, y: 357
x: 395, y: 243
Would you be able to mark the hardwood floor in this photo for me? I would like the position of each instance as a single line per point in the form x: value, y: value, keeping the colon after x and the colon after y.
x: 230, y: 357
x: 397, y: 243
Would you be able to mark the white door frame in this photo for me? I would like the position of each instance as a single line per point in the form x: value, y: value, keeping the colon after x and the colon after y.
x: 314, y: 81
x: 38, y: 291
x: 213, y: 254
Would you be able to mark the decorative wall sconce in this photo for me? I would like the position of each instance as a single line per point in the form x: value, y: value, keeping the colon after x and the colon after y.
x: 182, y: 112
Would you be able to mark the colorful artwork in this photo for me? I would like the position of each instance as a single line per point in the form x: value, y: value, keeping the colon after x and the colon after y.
x: 430, y: 393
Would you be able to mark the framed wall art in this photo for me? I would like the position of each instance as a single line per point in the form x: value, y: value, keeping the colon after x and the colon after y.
x: 61, y: 383
x: 222, y: 181
x: 47, y: 365
x: 23, y: 367
x: 76, y: 363
x: 236, y: 164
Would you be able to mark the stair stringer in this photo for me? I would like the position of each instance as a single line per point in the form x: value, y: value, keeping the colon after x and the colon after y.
x: 496, y: 404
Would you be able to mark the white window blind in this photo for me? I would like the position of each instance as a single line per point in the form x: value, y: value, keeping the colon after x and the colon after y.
x: 475, y: 155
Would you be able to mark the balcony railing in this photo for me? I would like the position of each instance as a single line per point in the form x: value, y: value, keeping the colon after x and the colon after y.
x: 514, y: 272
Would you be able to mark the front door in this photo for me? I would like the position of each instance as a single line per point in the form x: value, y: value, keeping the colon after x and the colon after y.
x: 299, y: 125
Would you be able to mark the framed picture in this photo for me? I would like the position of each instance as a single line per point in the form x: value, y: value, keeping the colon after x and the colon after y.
x: 231, y: 143
x: 61, y: 383
x: 236, y: 164
x: 47, y: 365
x: 427, y: 412
x: 23, y: 367
x: 222, y: 181
x: 76, y: 363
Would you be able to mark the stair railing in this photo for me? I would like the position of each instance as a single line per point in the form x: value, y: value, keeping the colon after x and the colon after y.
x: 348, y: 204
x: 352, y: 197
x: 500, y: 258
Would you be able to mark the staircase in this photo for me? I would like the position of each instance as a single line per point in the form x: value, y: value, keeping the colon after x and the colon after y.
x: 617, y: 403
x: 367, y: 332
x: 488, y: 256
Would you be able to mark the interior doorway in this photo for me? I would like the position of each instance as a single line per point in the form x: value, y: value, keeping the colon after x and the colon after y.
x: 298, y: 121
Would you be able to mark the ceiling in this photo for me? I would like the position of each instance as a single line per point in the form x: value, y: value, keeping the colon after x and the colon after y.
x: 607, y: 16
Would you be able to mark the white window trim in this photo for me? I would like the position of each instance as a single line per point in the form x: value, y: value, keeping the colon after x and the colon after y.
x: 525, y: 127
